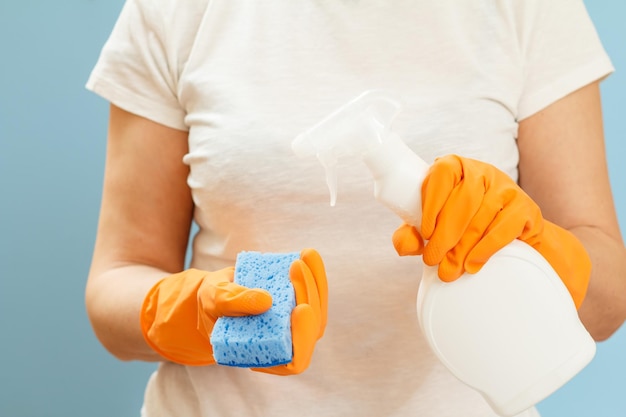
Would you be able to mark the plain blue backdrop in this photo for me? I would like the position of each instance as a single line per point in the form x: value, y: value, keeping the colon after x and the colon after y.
x: 52, y: 146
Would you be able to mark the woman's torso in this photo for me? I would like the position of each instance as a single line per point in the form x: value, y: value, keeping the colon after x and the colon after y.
x: 259, y: 73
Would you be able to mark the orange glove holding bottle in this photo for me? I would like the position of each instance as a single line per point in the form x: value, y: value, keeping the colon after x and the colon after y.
x: 471, y: 210
x: 179, y: 312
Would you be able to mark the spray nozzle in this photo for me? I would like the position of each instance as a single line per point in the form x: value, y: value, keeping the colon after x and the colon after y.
x: 351, y: 130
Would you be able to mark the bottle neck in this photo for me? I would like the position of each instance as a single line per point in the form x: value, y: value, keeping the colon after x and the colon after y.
x: 398, y: 174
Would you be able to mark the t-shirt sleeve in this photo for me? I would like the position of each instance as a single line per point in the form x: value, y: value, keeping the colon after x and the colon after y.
x: 135, y: 71
x: 561, y: 52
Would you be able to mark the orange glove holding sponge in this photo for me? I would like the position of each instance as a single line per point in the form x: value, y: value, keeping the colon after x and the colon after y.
x: 471, y: 210
x: 179, y: 312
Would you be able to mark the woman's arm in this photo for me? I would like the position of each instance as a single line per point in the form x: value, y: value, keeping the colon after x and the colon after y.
x: 143, y: 229
x: 563, y: 168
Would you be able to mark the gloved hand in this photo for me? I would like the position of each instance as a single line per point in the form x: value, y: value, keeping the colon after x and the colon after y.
x: 471, y: 210
x: 179, y: 312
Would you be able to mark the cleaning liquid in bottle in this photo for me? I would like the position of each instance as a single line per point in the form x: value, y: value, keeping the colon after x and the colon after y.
x: 511, y: 331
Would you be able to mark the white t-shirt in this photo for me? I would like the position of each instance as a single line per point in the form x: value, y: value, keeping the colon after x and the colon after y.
x: 245, y: 77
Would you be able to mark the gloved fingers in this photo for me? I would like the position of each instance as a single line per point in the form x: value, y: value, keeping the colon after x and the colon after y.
x: 453, y: 264
x: 505, y: 227
x: 407, y: 241
x: 313, y: 261
x: 450, y: 268
x: 443, y: 176
x: 454, y: 218
x: 304, y: 325
x: 519, y: 218
x: 304, y: 322
x: 306, y: 290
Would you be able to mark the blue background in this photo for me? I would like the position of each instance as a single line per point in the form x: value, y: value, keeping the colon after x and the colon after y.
x: 52, y: 147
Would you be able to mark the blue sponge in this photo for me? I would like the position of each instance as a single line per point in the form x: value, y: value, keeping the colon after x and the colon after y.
x: 263, y: 340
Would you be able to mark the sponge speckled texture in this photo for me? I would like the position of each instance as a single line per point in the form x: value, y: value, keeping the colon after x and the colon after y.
x: 263, y: 340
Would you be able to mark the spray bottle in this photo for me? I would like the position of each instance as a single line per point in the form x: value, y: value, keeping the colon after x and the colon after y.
x: 510, y: 331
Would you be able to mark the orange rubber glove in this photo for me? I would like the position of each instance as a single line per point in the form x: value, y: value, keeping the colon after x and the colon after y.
x: 471, y: 210
x: 179, y: 312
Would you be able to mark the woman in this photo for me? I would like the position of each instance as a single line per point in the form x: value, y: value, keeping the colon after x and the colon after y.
x: 206, y: 98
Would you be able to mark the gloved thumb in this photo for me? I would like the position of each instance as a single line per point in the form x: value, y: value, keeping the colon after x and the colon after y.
x: 407, y: 241
x: 217, y: 299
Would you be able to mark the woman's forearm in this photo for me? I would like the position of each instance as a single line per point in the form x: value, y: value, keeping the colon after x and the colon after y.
x: 604, y: 308
x: 113, y: 300
x: 143, y: 230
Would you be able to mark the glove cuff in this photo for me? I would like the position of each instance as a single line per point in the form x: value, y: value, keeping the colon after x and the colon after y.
x: 169, y: 319
x: 569, y: 258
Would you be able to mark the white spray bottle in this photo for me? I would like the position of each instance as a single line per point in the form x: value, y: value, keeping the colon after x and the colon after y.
x: 510, y: 331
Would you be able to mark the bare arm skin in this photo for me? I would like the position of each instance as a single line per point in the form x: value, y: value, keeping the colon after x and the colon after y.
x: 563, y: 168
x: 143, y: 229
